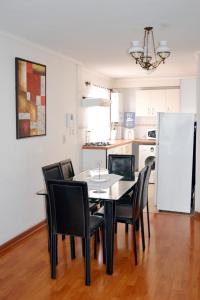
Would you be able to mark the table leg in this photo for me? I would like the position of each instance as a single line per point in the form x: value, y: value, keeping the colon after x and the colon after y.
x: 48, y: 221
x: 109, y: 234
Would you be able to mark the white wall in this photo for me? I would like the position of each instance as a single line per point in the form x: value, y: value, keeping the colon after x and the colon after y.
x: 197, y: 190
x: 188, y: 95
x: 21, y: 160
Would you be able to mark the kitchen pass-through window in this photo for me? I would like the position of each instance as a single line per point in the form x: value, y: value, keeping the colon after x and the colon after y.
x: 98, y: 123
x: 98, y: 117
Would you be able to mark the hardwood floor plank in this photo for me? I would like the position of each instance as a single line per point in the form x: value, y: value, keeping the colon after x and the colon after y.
x: 168, y: 269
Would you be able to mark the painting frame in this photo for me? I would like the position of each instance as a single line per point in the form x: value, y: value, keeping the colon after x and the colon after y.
x: 30, y: 89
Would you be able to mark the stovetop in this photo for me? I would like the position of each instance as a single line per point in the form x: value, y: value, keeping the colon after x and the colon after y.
x: 98, y: 144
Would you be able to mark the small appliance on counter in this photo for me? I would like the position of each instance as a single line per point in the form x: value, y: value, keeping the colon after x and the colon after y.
x: 129, y: 124
x: 151, y: 134
x: 97, y: 144
x: 87, y: 136
x: 129, y: 134
x: 114, y: 129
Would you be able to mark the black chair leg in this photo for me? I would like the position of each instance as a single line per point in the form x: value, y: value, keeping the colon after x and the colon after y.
x: 103, y: 243
x: 98, y: 236
x: 53, y: 256
x: 95, y: 245
x: 48, y: 223
x: 137, y: 224
x: 63, y: 237
x: 134, y: 244
x: 56, y: 248
x: 148, y: 219
x: 126, y: 227
x: 87, y: 261
x: 49, y: 243
x: 83, y: 247
x: 115, y: 227
x: 72, y: 247
x: 142, y: 230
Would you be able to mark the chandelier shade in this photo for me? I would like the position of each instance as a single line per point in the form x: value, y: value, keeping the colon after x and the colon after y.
x: 148, y: 57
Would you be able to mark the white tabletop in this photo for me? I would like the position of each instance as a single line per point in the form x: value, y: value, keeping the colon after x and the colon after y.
x: 114, y: 192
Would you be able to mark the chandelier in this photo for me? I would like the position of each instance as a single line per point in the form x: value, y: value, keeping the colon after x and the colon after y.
x: 148, y: 57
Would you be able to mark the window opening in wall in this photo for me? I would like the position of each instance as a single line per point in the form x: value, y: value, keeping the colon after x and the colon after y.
x: 98, y: 117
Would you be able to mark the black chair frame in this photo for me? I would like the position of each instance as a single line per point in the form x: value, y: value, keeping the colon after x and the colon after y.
x: 69, y: 211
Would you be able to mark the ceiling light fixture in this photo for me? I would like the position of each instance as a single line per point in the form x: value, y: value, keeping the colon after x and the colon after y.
x: 148, y: 57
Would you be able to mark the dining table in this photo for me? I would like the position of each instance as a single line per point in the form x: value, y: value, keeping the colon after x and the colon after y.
x: 107, y: 188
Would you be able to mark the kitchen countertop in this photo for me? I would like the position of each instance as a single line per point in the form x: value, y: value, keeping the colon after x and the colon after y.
x: 116, y: 143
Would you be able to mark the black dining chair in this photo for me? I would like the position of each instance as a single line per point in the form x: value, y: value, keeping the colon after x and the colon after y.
x: 54, y: 171
x: 151, y: 164
x: 130, y: 214
x: 70, y: 215
x: 124, y: 165
x: 67, y: 169
x: 68, y: 174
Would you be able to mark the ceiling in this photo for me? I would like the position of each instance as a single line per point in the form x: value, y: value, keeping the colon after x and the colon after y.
x: 98, y: 33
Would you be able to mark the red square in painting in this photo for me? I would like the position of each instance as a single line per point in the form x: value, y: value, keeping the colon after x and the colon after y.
x: 24, y: 128
x: 29, y: 68
x: 33, y: 84
x: 43, y: 100
x: 33, y: 97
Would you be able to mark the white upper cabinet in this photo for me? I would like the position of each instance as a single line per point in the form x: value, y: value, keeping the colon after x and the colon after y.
x: 142, y: 103
x: 149, y: 102
x: 188, y: 96
x: 172, y: 100
x: 157, y: 101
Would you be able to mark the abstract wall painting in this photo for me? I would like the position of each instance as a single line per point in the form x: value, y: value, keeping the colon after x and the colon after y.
x: 30, y: 98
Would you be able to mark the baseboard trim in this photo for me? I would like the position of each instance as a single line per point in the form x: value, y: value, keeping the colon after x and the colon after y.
x: 22, y: 236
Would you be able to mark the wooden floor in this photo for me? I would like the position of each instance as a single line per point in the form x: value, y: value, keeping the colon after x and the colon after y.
x: 168, y: 269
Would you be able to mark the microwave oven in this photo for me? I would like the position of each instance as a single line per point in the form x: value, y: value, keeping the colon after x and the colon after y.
x: 151, y: 134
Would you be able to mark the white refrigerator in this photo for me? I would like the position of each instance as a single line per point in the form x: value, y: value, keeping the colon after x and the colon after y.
x: 175, y: 139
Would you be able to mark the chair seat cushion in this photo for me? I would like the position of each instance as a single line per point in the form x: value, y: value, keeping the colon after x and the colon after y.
x: 92, y: 207
x: 91, y: 200
x: 95, y: 222
x: 100, y: 212
x: 123, y: 213
x: 125, y: 200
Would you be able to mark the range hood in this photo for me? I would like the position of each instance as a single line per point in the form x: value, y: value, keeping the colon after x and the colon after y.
x: 95, y: 102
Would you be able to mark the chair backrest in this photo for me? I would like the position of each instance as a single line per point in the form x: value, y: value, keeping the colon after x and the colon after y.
x: 67, y: 169
x: 137, y: 200
x: 150, y: 160
x: 52, y: 171
x: 69, y: 207
x: 149, y: 165
x: 122, y: 164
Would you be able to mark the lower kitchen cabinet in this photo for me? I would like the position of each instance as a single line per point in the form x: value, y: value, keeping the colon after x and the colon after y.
x: 92, y: 157
x: 124, y: 149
